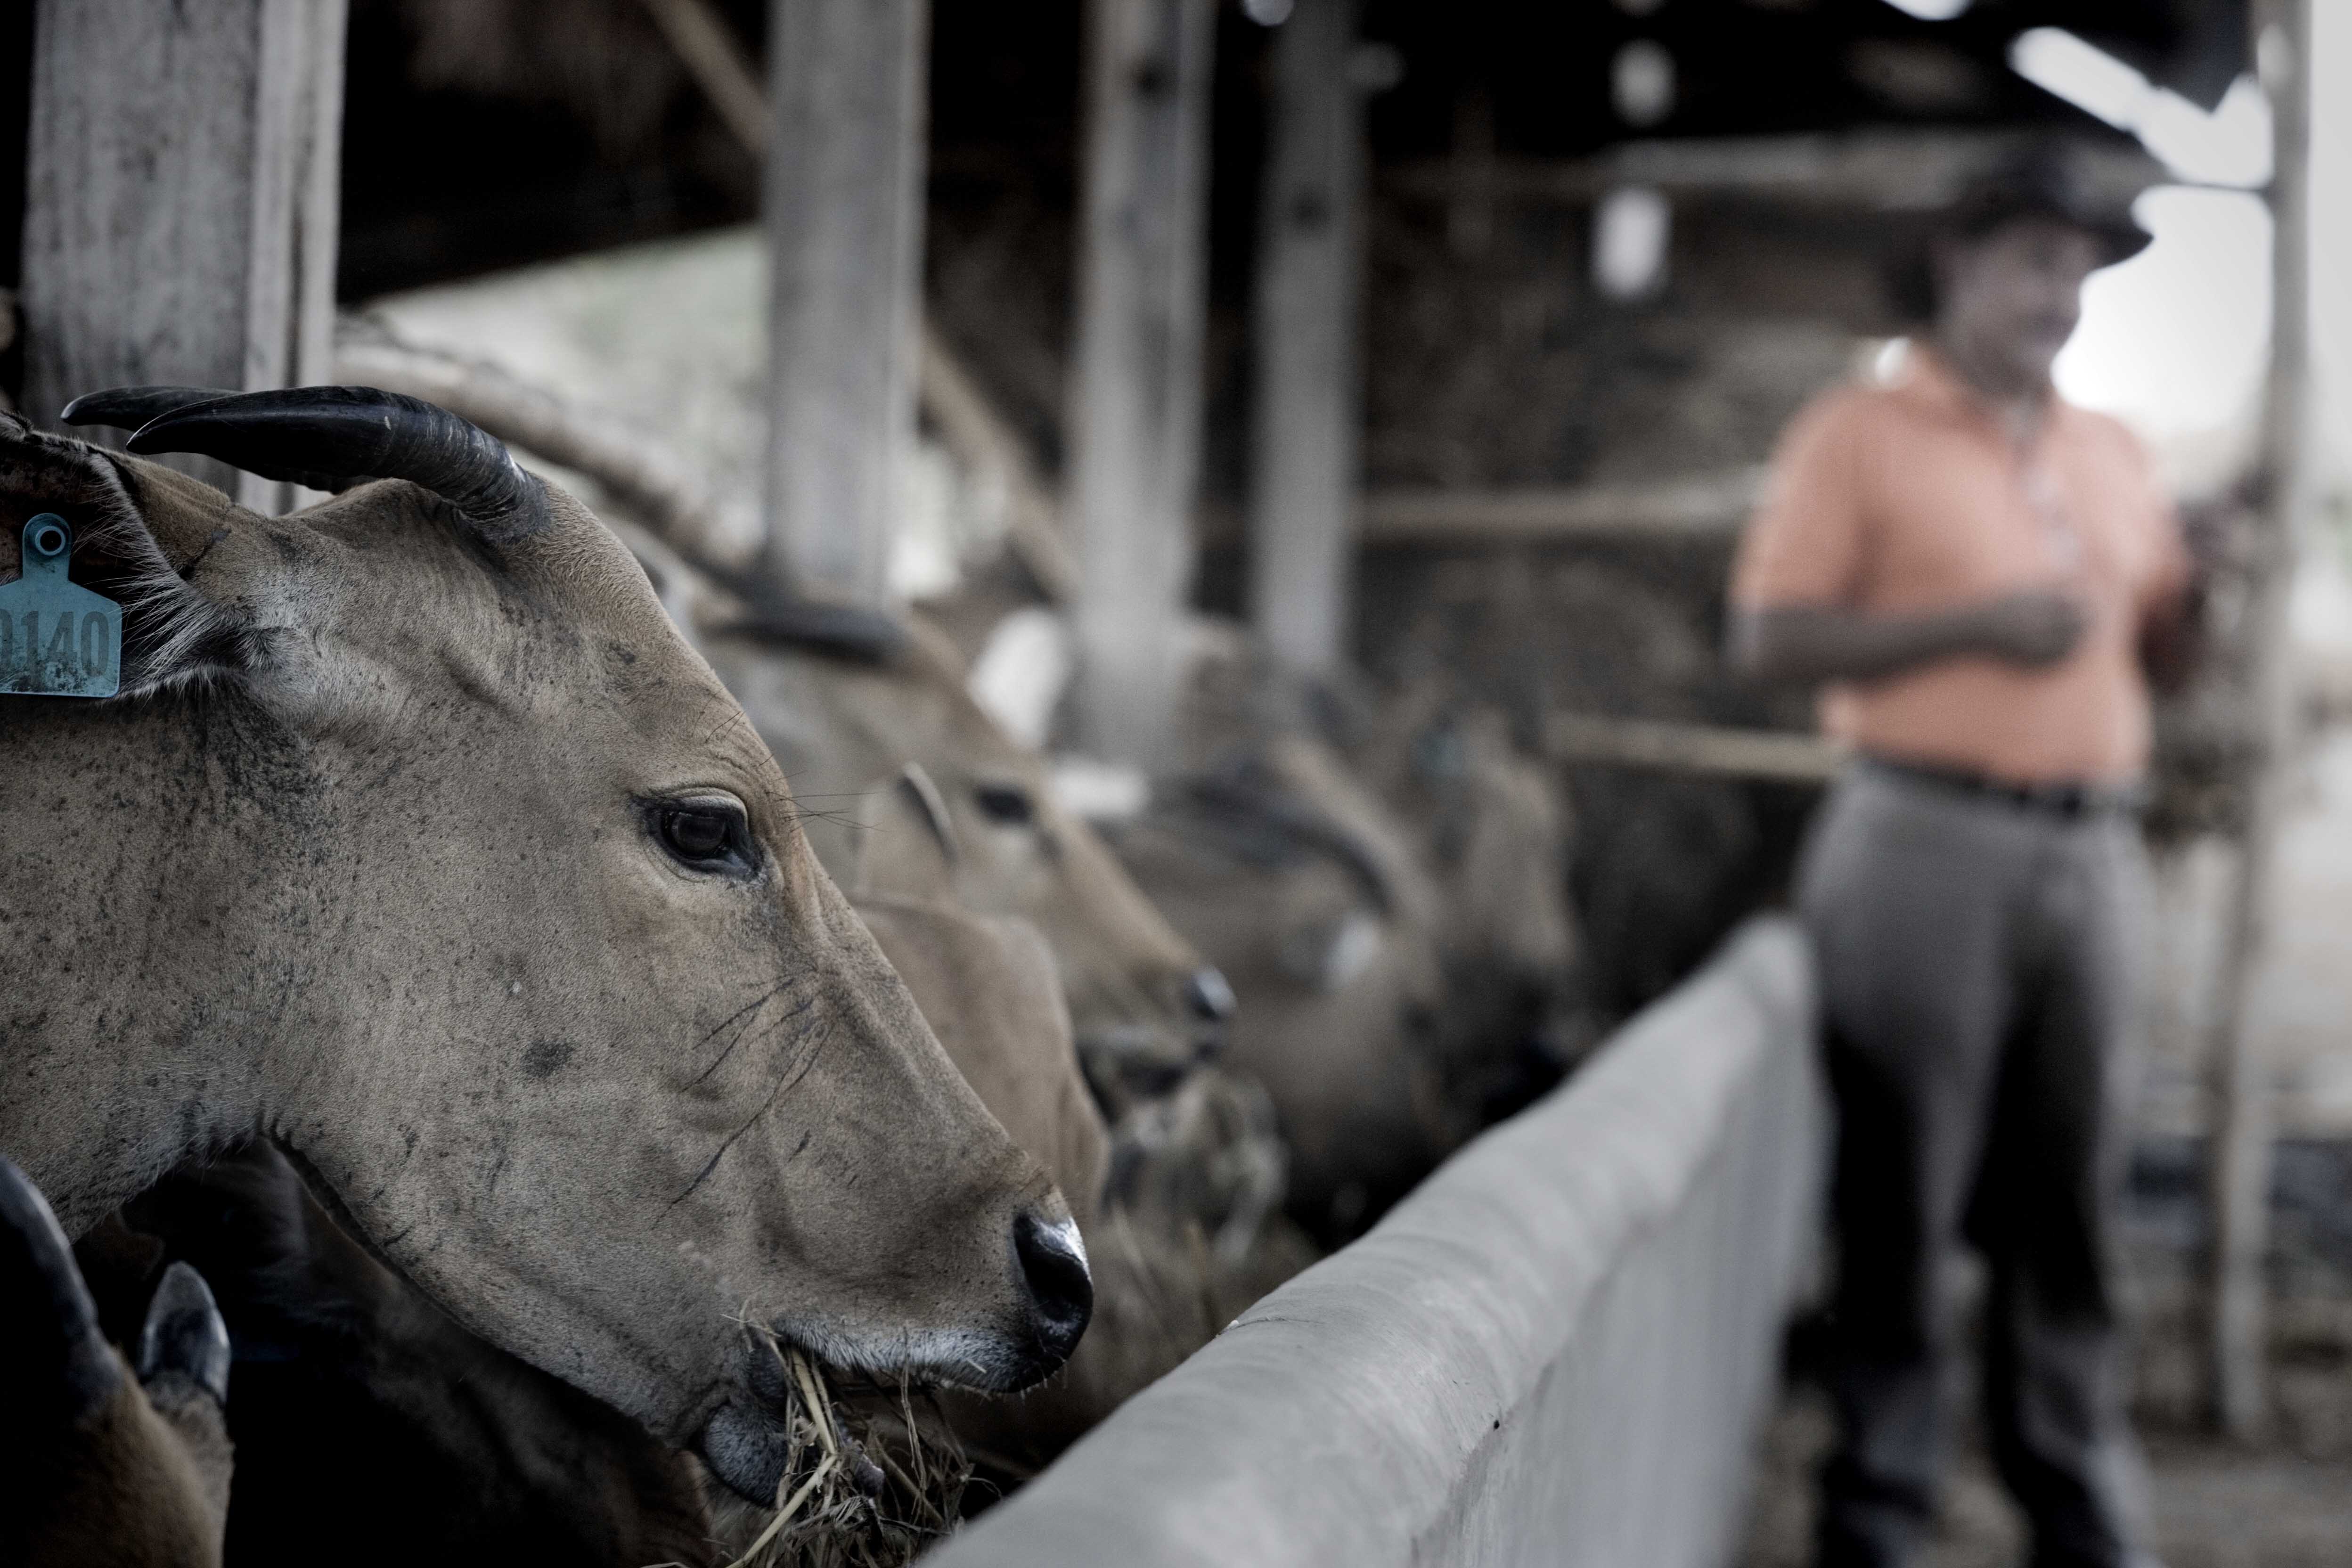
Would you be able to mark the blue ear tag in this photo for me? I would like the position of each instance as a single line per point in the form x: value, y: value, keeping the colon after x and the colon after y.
x: 57, y: 638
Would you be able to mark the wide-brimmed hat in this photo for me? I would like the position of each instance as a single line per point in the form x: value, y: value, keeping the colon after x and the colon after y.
x: 2045, y: 180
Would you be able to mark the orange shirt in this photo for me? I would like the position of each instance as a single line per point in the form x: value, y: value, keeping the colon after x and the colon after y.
x: 1909, y: 497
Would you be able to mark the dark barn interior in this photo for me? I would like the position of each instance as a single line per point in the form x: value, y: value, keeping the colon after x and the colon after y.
x: 1608, y: 250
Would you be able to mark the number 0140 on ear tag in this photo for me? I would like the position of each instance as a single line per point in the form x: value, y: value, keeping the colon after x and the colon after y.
x: 57, y: 638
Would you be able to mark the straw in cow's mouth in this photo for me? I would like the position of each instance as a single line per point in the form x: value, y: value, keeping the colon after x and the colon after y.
x: 873, y: 1475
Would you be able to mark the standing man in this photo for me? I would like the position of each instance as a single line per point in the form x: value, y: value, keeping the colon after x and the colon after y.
x: 1983, y: 576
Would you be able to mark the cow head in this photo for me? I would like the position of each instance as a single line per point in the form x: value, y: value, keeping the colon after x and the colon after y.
x: 977, y: 822
x: 419, y: 841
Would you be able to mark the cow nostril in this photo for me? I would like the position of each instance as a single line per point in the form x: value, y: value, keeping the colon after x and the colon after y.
x: 1208, y: 995
x: 1061, y: 1290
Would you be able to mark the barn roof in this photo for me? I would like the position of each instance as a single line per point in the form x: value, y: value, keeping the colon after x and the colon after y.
x: 1545, y: 74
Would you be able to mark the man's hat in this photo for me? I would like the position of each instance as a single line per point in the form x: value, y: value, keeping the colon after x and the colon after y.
x: 2045, y: 180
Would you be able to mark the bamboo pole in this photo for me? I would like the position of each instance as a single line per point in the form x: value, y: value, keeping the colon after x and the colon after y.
x: 1671, y: 746
x: 2239, y: 1156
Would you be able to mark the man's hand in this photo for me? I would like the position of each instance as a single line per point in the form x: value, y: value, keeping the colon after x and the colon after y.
x: 2034, y: 628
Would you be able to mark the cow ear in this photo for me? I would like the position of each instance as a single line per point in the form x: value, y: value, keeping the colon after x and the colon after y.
x: 908, y: 848
x: 141, y: 533
x: 183, y: 1339
x: 55, y: 1367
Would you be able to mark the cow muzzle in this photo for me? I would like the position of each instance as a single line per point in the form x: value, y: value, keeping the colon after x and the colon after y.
x: 748, y: 1443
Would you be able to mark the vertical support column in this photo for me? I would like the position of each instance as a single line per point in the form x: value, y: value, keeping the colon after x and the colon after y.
x: 1470, y: 179
x: 180, y: 201
x: 2240, y: 1090
x: 844, y: 220
x: 1135, y: 393
x: 1307, y: 411
x: 317, y: 191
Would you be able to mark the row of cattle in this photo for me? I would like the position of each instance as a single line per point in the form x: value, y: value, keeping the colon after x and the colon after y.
x: 428, y: 948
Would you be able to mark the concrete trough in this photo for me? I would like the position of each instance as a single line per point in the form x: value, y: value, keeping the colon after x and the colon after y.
x: 1556, y: 1350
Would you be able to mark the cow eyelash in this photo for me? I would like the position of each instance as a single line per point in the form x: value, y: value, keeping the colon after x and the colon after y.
x: 704, y: 833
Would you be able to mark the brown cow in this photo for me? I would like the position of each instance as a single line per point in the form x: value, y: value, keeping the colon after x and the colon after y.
x: 1393, y: 915
x: 841, y: 725
x: 101, y: 1463
x: 519, y: 1464
x: 1339, y: 981
x: 419, y: 841
x: 961, y: 812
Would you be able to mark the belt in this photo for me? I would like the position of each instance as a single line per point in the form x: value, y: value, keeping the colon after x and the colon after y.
x: 2066, y: 800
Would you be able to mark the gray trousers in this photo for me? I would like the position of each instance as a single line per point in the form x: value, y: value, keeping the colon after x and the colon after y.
x: 1981, y: 965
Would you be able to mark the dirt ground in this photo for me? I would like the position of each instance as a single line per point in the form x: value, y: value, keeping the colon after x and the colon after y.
x: 2215, y: 1506
x: 2286, y: 1503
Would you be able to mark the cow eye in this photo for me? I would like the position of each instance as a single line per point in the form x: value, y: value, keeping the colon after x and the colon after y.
x: 1006, y: 804
x: 696, y: 835
x: 704, y: 834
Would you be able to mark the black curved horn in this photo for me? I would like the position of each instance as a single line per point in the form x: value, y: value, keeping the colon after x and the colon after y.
x: 327, y: 437
x: 129, y: 408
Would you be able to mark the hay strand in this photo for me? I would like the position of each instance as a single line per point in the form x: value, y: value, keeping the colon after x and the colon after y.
x: 886, y: 1484
x: 785, y: 1514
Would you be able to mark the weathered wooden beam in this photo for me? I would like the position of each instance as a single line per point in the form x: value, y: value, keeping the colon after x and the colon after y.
x: 2238, y: 1172
x: 1135, y: 388
x: 698, y: 35
x: 1873, y: 171
x: 1707, y: 506
x: 946, y: 391
x: 180, y: 201
x: 1471, y: 166
x: 1308, y: 408
x: 993, y: 453
x: 844, y: 220
x: 1675, y: 747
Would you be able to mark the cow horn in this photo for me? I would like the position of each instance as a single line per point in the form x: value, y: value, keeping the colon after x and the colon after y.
x: 330, y: 437
x: 129, y: 408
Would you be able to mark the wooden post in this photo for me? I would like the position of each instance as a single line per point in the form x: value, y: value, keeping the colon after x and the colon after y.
x: 2239, y: 1161
x: 180, y: 201
x: 1135, y: 392
x: 844, y: 220
x: 1306, y: 410
x: 1472, y: 175
x: 946, y: 392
